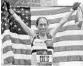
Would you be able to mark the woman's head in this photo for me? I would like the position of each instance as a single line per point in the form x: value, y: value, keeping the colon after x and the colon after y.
x: 42, y: 24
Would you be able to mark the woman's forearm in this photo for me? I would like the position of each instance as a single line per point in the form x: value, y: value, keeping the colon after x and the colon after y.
x: 80, y: 16
x: 81, y: 7
x: 62, y: 22
x: 16, y: 17
x: 65, y: 19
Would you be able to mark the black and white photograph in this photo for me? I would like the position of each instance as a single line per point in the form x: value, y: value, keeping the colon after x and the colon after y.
x: 41, y: 33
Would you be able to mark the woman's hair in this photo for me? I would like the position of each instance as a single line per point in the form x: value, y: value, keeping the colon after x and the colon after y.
x: 37, y: 21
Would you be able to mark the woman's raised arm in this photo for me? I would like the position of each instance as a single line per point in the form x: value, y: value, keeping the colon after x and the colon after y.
x: 27, y: 29
x: 64, y: 19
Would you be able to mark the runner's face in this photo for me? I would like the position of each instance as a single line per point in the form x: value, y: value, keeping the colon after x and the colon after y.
x: 42, y: 25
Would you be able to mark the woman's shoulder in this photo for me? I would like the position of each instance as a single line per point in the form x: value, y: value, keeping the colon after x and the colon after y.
x: 35, y: 35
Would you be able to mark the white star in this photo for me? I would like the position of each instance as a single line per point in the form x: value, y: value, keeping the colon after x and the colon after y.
x: 19, y: 29
x: 22, y: 9
x: 14, y: 9
x: 5, y: 4
x: 4, y: 13
x: 23, y: 14
x: 11, y: 23
x: 27, y: 11
x: 6, y: 9
x: 27, y: 17
x: 3, y: 7
x: 5, y: 18
x: 5, y: 24
x: 15, y: 25
x: 2, y: 28
x: 26, y: 23
x: 2, y: 17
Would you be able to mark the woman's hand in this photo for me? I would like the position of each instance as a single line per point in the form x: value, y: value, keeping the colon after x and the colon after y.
x: 75, y: 5
x: 8, y: 5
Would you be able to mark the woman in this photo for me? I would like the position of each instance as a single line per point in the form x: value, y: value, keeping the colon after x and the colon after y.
x: 43, y: 35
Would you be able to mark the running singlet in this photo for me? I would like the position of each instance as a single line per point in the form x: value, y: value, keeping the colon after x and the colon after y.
x: 39, y: 44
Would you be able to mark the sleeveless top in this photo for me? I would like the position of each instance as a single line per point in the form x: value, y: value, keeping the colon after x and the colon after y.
x: 39, y: 44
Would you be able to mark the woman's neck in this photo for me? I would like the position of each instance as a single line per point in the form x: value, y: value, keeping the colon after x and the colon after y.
x: 42, y: 34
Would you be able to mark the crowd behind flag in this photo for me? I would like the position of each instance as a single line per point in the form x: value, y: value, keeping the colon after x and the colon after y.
x: 16, y: 46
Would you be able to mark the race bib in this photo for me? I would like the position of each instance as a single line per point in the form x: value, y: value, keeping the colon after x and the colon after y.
x: 44, y: 58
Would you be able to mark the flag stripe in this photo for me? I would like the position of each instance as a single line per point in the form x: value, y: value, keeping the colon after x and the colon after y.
x: 22, y: 56
x: 22, y: 62
x: 19, y: 41
x: 9, y: 59
x: 50, y: 17
x: 69, y: 37
x: 54, y: 20
x: 50, y: 12
x: 68, y: 58
x: 6, y: 49
x: 7, y: 54
x: 68, y: 43
x: 20, y: 36
x: 6, y: 32
x: 22, y: 51
x: 67, y: 53
x: 16, y: 51
x: 45, y: 8
x: 68, y: 48
x: 70, y: 27
x: 6, y: 37
x: 21, y: 46
x: 69, y: 32
x: 16, y: 40
x: 6, y: 43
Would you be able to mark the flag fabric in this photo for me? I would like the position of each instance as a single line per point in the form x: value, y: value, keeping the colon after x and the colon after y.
x: 16, y: 46
x: 68, y: 44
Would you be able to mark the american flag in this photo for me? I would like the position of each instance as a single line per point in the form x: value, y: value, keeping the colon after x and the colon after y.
x: 15, y: 49
x: 68, y: 44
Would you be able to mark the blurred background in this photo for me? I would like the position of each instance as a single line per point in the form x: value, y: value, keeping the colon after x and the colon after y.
x: 38, y: 3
